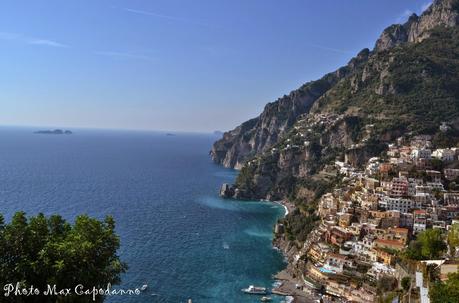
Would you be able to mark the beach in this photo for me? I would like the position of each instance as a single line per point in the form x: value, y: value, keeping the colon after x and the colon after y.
x: 289, y: 207
x: 289, y: 286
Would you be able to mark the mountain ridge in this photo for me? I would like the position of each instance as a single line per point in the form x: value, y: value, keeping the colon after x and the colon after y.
x: 417, y: 28
x: 261, y: 133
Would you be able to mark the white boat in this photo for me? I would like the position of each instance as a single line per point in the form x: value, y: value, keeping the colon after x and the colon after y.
x: 254, y: 290
x: 265, y: 299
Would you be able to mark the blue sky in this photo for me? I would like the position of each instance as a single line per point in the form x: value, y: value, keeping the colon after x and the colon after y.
x: 189, y: 65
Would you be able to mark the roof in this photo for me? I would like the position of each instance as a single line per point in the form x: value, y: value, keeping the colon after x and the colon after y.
x: 390, y: 242
x: 419, y: 211
x: 337, y: 256
x: 433, y: 172
x: 400, y: 229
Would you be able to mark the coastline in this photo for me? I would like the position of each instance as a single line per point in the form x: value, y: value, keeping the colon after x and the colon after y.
x: 286, y: 205
x: 288, y: 286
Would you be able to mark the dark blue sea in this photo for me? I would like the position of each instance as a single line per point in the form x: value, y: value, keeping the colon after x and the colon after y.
x: 176, y: 234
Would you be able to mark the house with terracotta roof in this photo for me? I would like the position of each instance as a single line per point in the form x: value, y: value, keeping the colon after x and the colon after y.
x: 399, y: 234
x: 338, y: 236
x: 389, y: 244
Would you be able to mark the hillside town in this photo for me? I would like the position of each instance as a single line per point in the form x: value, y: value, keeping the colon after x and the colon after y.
x: 390, y: 230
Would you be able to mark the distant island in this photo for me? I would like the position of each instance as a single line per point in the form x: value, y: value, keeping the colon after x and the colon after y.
x: 54, y: 132
x: 218, y: 133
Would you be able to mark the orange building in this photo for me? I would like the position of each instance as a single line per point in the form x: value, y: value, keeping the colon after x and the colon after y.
x: 385, y: 257
x: 337, y: 236
x: 385, y: 168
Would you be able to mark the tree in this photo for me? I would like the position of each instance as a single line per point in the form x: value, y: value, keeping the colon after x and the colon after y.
x: 428, y: 245
x: 445, y: 292
x: 386, y: 283
x: 437, y: 164
x: 42, y: 251
x: 453, y: 238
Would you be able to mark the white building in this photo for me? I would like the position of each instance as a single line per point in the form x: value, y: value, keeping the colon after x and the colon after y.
x: 336, y: 262
x: 400, y: 204
x: 412, y: 183
x: 419, y: 221
x: 451, y: 198
x: 444, y: 154
x: 379, y: 269
x: 372, y: 168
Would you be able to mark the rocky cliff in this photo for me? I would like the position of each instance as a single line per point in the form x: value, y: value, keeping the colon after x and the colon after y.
x: 417, y: 28
x: 259, y: 134
x: 407, y: 85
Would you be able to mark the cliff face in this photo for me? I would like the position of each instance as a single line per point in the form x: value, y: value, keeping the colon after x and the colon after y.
x: 408, y: 84
x: 259, y: 134
x: 296, y: 166
x: 417, y: 28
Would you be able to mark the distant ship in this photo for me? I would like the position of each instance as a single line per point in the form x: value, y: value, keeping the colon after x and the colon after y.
x: 254, y: 290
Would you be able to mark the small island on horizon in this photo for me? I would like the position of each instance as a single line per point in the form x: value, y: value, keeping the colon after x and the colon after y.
x: 54, y: 132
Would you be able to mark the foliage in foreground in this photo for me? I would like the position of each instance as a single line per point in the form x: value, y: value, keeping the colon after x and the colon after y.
x: 445, y: 292
x: 39, y: 251
x: 428, y: 245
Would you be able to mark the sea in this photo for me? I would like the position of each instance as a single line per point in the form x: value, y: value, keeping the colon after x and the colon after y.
x: 177, y: 235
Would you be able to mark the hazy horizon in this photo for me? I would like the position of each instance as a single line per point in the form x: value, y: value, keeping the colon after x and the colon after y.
x: 89, y: 128
x: 178, y: 66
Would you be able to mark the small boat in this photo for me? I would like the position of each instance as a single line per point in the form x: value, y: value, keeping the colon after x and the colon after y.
x: 254, y: 290
x: 265, y: 299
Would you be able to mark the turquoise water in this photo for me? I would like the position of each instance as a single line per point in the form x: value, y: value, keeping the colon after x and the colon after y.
x: 327, y: 271
x: 176, y: 234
